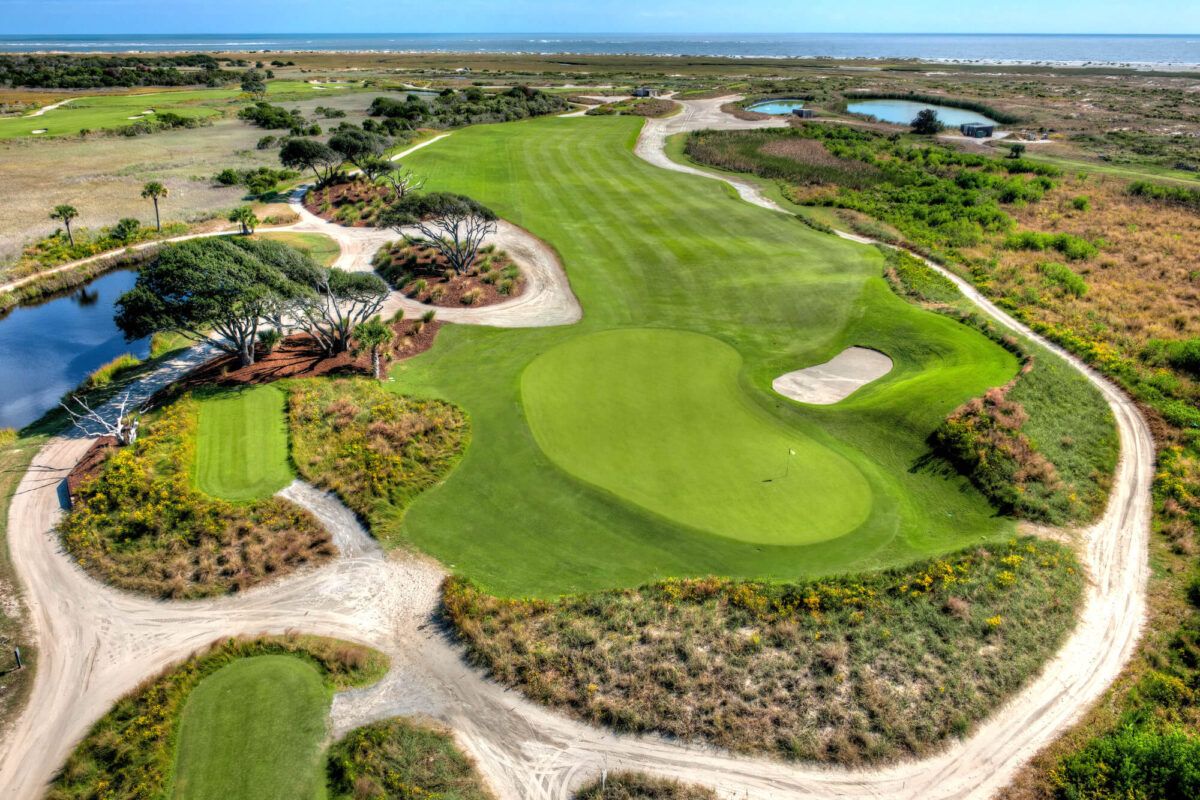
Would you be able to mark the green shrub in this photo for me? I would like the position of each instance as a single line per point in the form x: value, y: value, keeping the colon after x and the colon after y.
x: 1181, y: 354
x: 107, y: 373
x: 1074, y: 248
x: 639, y: 786
x: 1081, y: 203
x: 1132, y: 764
x: 8, y: 436
x: 1064, y: 278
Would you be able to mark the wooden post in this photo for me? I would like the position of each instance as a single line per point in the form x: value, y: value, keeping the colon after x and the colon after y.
x: 17, y: 655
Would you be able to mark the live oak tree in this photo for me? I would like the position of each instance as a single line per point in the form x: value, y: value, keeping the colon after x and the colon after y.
x: 927, y: 123
x: 65, y: 214
x: 309, y: 154
x: 454, y: 224
x: 153, y: 191
x: 222, y: 285
x: 340, y: 302
x: 357, y: 146
x: 253, y: 84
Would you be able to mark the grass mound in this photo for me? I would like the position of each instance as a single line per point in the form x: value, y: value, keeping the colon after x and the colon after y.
x: 633, y: 411
x: 241, y: 444
x: 639, y: 786
x: 402, y: 760
x: 376, y: 450
x: 130, y: 752
x: 253, y: 729
x: 140, y: 524
x: 853, y: 670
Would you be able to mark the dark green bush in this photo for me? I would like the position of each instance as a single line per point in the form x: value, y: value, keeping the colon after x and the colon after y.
x: 1132, y: 764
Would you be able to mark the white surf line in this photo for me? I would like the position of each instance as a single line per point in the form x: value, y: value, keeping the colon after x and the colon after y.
x: 1116, y: 550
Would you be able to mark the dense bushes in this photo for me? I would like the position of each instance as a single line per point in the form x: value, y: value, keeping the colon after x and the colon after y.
x: 470, y: 107
x: 265, y: 115
x: 259, y: 181
x: 95, y: 71
x: 1074, y: 248
x: 1064, y: 278
x: 1180, y: 354
x: 401, y: 760
x: 1133, y: 764
x: 163, y: 121
x: 130, y: 753
x: 141, y: 525
x: 639, y: 786
x: 1176, y: 195
x: 375, y: 449
x: 857, y: 669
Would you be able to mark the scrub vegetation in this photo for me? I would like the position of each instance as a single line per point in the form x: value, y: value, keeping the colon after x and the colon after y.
x: 140, y: 524
x: 890, y: 664
x: 638, y: 786
x: 376, y: 450
x: 400, y: 759
x: 132, y: 751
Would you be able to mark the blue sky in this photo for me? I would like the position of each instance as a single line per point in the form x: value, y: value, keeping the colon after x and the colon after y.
x: 674, y: 16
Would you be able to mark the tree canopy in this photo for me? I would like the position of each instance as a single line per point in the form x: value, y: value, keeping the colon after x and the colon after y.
x: 309, y: 154
x: 454, y: 224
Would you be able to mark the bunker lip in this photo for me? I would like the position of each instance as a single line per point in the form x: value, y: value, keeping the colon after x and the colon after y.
x: 836, y: 379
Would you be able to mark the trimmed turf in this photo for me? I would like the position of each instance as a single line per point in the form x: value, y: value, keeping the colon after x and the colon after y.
x: 657, y: 416
x: 648, y: 248
x: 254, y: 730
x: 242, y: 444
x: 322, y: 248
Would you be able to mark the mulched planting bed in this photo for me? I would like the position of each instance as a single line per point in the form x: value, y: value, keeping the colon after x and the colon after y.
x: 419, y: 271
x: 854, y: 670
x: 355, y: 204
x: 299, y: 356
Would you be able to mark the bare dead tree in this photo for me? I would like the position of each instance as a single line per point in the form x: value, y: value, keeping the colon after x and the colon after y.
x: 402, y: 181
x: 123, y: 427
x: 454, y: 225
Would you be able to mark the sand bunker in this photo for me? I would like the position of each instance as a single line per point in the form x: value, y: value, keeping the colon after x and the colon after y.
x: 836, y: 379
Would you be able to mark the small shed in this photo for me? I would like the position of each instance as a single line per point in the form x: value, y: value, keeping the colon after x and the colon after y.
x: 645, y: 91
x: 977, y: 130
x: 803, y: 113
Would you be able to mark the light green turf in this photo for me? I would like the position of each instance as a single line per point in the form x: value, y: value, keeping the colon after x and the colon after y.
x: 242, y: 444
x: 253, y: 730
x: 657, y: 416
x: 648, y: 248
x: 103, y: 111
x: 322, y: 248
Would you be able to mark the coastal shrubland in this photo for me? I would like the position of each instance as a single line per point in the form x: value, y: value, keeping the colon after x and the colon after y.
x: 853, y: 670
x: 639, y: 786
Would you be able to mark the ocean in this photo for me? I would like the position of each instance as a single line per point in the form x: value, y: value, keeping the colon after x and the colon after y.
x: 1044, y: 49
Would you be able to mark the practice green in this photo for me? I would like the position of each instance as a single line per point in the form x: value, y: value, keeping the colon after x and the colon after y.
x: 242, y: 444
x: 657, y: 416
x: 253, y: 730
x: 643, y: 247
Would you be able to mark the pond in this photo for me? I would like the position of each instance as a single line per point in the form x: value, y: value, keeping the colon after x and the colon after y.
x: 903, y: 112
x: 48, y: 349
x: 776, y: 106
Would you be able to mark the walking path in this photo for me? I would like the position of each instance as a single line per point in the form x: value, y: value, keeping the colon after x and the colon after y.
x: 96, y: 643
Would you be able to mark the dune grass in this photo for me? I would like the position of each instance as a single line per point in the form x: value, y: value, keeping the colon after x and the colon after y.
x: 242, y: 444
x: 253, y: 730
x: 648, y: 248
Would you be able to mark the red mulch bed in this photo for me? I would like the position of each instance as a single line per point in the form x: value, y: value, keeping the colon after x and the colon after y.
x: 352, y: 193
x: 90, y: 464
x: 430, y: 266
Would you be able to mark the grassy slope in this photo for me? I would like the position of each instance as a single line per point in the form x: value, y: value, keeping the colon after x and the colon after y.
x: 321, y: 247
x: 646, y: 247
x: 242, y: 444
x: 100, y: 111
x: 254, y: 730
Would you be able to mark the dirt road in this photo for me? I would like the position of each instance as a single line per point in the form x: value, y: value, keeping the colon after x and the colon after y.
x: 96, y: 643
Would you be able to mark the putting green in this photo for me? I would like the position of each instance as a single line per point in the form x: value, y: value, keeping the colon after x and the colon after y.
x: 658, y: 417
x: 253, y: 730
x: 242, y: 444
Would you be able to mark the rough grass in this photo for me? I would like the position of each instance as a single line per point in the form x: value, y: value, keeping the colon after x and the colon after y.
x: 858, y: 670
x: 377, y: 451
x: 399, y: 759
x: 242, y: 443
x: 140, y: 525
x: 253, y: 730
x: 686, y: 256
x: 129, y: 754
x: 639, y: 786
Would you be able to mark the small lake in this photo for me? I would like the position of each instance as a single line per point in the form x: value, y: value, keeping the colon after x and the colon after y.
x: 776, y: 106
x: 903, y: 112
x: 48, y: 349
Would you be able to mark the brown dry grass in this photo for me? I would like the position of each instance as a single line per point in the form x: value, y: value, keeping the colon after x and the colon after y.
x: 808, y: 151
x: 639, y: 786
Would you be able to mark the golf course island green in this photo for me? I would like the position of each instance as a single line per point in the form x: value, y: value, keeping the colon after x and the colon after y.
x: 645, y: 442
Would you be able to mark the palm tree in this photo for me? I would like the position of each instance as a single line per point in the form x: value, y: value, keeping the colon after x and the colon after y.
x: 372, y: 335
x: 66, y: 214
x: 154, y: 190
x: 244, y: 216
